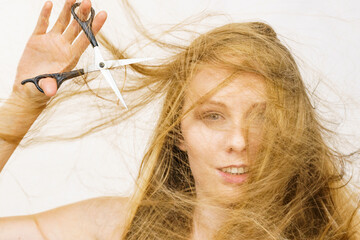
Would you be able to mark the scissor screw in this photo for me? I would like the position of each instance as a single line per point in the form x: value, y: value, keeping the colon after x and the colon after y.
x: 101, y: 64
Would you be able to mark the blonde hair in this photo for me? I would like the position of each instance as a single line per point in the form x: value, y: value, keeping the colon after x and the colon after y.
x: 296, y: 189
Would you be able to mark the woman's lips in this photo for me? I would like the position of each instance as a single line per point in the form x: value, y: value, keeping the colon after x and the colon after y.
x: 234, y: 174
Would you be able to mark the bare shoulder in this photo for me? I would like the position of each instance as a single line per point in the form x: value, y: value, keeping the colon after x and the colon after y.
x: 109, y: 216
x: 96, y: 218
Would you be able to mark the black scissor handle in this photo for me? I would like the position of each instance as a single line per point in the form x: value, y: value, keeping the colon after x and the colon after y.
x: 60, y: 78
x: 85, y: 25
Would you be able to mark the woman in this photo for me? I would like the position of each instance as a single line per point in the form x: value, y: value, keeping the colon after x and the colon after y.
x: 238, y: 151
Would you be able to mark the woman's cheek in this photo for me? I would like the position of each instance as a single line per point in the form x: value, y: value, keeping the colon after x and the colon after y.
x: 199, y: 138
x: 254, y: 142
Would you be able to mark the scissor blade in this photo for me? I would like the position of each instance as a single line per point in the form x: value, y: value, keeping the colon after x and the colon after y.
x: 102, y: 65
x: 123, y: 62
x: 113, y: 85
x: 114, y: 64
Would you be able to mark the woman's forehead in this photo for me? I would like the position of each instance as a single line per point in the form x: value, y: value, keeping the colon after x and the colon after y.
x: 242, y: 85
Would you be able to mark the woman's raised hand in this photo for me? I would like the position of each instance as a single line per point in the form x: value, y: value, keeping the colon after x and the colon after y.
x: 53, y: 51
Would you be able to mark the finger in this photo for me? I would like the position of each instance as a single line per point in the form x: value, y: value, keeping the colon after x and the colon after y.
x: 82, y: 42
x: 64, y: 17
x: 49, y: 86
x: 84, y: 9
x: 74, y: 29
x: 43, y: 20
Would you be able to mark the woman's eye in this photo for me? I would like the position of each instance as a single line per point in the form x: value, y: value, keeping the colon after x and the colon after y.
x: 212, y: 116
x: 213, y: 119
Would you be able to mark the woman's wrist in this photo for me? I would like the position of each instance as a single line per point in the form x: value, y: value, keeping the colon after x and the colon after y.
x: 17, y: 116
x: 23, y: 98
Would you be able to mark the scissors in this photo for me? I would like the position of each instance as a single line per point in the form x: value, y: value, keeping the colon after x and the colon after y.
x: 99, y: 65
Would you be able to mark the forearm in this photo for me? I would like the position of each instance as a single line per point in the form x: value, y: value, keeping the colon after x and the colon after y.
x: 16, y: 118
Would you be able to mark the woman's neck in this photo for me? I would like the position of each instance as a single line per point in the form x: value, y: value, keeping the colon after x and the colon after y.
x: 207, y: 220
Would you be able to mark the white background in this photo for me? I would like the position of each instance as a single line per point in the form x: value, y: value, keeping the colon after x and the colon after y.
x: 323, y: 35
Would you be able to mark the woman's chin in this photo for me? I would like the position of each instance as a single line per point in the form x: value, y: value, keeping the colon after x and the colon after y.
x: 225, y: 194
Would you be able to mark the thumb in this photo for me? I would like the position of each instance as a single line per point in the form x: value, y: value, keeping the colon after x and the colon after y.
x: 49, y: 86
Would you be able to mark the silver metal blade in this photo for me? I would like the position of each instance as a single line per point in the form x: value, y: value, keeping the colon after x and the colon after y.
x: 114, y: 63
x: 100, y: 65
x: 123, y: 62
x: 113, y: 85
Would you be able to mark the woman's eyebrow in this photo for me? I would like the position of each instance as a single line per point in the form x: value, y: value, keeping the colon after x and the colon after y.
x: 261, y: 104
x: 214, y: 102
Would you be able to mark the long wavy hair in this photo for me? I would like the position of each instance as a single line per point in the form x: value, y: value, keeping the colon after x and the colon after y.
x: 296, y: 189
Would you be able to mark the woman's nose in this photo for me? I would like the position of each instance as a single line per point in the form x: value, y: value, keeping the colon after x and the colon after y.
x: 235, y: 140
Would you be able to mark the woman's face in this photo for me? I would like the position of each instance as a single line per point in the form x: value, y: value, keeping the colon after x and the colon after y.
x: 214, y: 133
